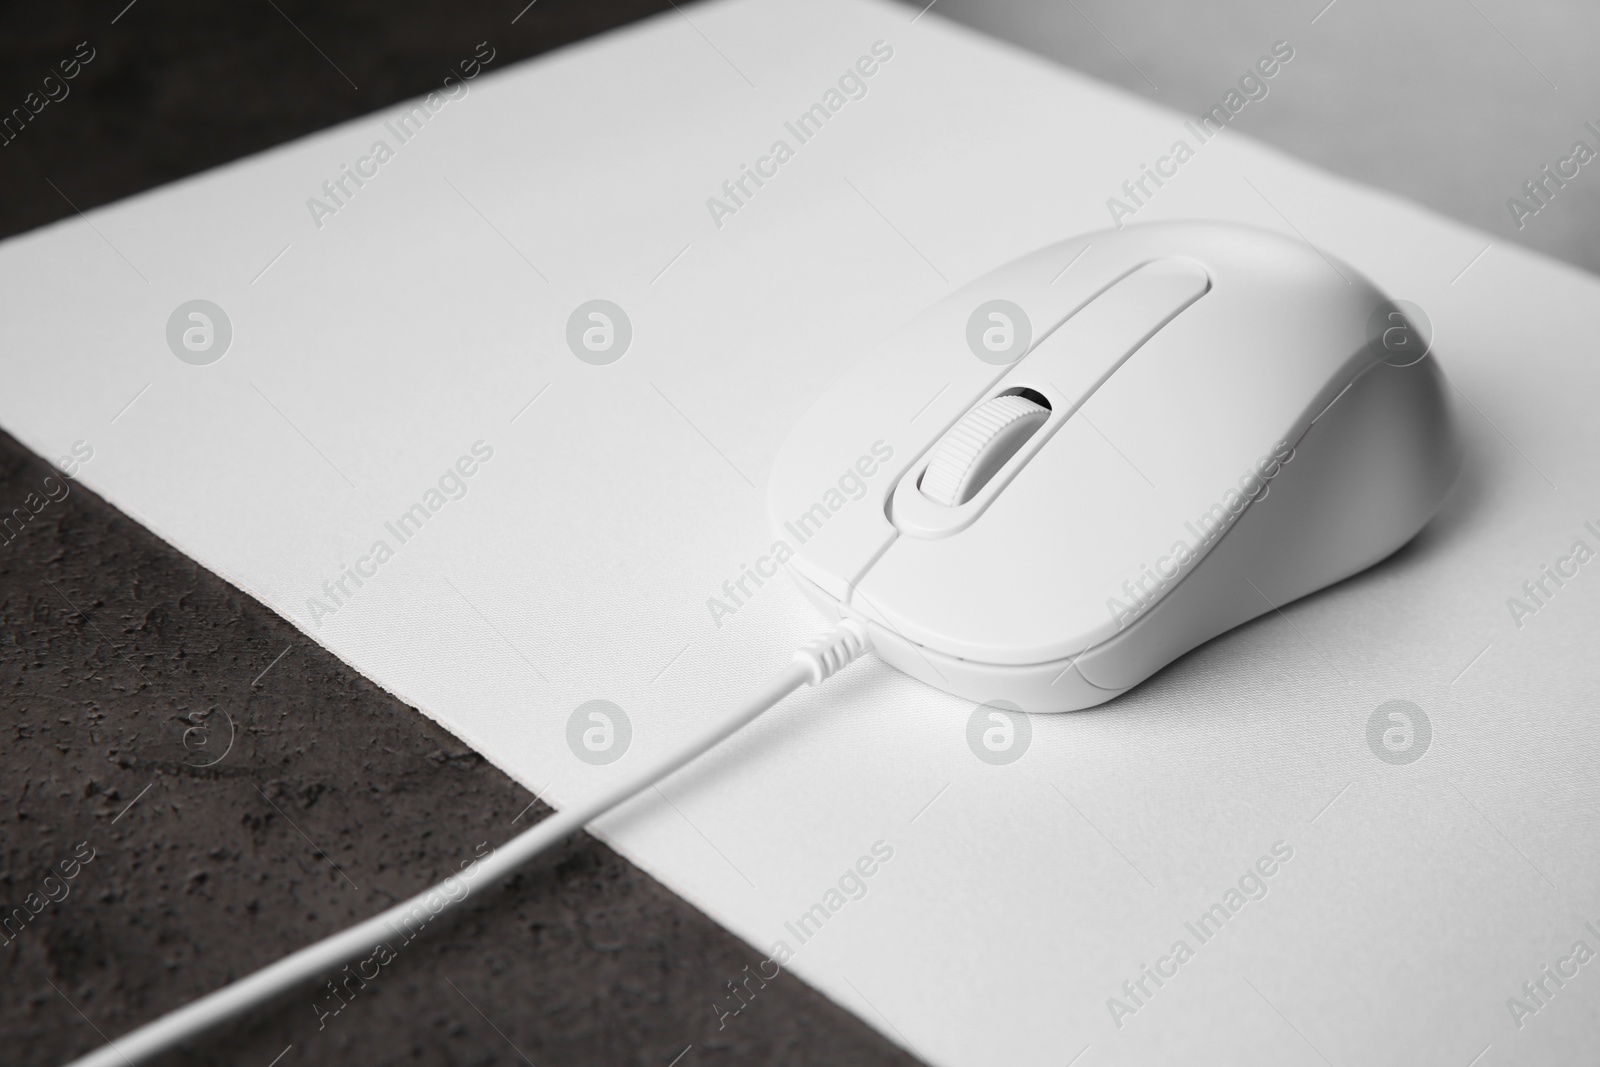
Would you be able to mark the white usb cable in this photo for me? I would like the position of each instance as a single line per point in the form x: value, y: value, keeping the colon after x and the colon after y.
x: 813, y: 663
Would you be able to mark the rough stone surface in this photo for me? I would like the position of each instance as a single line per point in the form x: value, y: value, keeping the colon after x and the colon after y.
x: 238, y: 805
x: 124, y: 667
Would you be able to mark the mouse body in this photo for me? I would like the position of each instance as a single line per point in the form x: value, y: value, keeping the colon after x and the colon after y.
x: 1084, y: 464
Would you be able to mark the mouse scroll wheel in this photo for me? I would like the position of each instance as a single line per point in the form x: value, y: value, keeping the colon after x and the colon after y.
x: 978, y: 446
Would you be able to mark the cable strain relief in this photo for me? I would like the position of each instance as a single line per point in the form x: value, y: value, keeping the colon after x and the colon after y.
x: 827, y: 655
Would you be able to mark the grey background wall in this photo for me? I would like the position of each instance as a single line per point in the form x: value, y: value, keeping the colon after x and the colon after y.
x: 1451, y: 103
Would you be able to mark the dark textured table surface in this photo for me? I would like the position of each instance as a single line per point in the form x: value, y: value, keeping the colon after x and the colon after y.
x: 127, y: 668
x: 124, y: 663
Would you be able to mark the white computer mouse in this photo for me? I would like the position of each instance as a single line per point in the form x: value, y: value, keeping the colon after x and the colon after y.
x: 1081, y: 466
